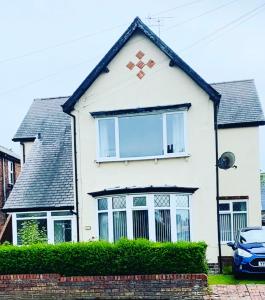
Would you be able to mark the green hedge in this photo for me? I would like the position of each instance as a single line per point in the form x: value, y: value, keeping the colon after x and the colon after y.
x: 103, y: 258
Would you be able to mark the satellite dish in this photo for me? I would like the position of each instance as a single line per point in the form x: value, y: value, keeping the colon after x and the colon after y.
x: 227, y: 160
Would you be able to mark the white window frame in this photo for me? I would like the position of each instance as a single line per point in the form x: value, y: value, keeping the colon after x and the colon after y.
x: 151, y: 214
x: 11, y: 178
x: 50, y: 224
x: 232, y: 213
x: 117, y: 141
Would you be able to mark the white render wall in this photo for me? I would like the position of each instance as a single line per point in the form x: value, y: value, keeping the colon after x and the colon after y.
x: 162, y: 85
x: 244, y: 180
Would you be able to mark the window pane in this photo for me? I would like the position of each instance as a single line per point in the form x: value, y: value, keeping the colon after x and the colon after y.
x: 42, y: 225
x: 162, y: 200
x: 119, y: 202
x: 31, y: 215
x: 175, y: 133
x: 183, y: 224
x: 62, y: 231
x: 224, y: 206
x: 103, y: 204
x: 107, y: 137
x: 61, y: 213
x: 239, y: 221
x: 103, y: 226
x: 239, y: 206
x: 162, y: 225
x: 182, y: 201
x: 141, y: 135
x: 140, y: 224
x: 139, y: 201
x: 119, y: 225
x: 225, y: 227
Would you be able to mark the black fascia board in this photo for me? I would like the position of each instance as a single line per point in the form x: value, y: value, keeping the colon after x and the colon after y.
x: 138, y: 25
x: 43, y: 208
x: 9, y: 157
x: 24, y: 139
x: 241, y: 124
x: 149, y: 189
x: 139, y: 110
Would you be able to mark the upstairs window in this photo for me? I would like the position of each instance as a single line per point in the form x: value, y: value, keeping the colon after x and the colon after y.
x: 11, y: 178
x: 141, y: 136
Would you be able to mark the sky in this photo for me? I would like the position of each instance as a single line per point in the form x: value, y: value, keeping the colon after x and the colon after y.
x: 48, y: 47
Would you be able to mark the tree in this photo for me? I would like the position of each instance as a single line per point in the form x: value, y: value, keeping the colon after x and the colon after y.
x: 30, y: 233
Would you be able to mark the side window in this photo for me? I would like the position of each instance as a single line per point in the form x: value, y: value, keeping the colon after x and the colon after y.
x: 11, y: 179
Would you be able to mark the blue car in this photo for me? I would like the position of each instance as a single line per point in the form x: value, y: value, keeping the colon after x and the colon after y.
x: 249, y: 251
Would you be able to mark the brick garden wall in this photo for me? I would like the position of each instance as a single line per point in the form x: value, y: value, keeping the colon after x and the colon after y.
x: 53, y: 286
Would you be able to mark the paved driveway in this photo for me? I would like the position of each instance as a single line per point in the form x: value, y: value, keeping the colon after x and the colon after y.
x: 234, y: 292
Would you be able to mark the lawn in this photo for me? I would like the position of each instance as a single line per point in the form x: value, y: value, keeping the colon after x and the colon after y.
x: 229, y: 279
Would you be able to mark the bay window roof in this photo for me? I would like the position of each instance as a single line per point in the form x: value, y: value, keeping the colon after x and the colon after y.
x: 146, y: 189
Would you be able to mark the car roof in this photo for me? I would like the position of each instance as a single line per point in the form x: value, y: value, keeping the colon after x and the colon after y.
x: 252, y: 228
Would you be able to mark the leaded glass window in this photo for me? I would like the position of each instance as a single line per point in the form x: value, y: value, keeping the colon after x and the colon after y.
x: 162, y: 200
x: 119, y: 202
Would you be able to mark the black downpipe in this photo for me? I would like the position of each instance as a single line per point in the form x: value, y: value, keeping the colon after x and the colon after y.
x: 76, y: 180
x: 217, y: 188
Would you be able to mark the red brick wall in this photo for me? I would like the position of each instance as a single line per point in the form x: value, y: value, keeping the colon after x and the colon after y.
x: 53, y: 286
x: 8, y: 188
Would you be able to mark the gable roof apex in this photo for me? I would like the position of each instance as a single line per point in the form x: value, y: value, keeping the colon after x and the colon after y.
x: 137, y: 24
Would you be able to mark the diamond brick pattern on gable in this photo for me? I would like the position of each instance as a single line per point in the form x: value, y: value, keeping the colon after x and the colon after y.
x: 140, y: 64
x: 140, y: 74
x: 140, y: 54
x: 130, y: 65
x: 150, y: 63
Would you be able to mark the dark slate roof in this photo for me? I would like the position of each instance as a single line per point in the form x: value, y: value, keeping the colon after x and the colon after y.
x: 262, y: 187
x: 240, y: 105
x: 138, y: 25
x: 46, y: 180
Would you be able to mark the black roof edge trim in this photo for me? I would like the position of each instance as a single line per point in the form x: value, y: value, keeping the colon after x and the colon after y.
x: 137, y: 24
x: 49, y: 208
x: 149, y: 189
x: 9, y: 157
x: 25, y: 139
x: 139, y: 110
x: 242, y: 124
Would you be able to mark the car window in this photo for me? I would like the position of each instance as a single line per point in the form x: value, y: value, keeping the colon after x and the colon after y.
x: 252, y: 236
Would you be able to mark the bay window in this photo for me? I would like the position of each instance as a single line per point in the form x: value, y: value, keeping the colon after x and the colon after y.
x: 233, y: 216
x: 157, y: 217
x: 139, y: 136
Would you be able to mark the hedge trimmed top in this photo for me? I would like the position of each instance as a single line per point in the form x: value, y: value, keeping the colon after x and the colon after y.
x: 126, y: 257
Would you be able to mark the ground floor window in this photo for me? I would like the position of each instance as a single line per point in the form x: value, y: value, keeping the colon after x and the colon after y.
x: 58, y: 226
x: 233, y: 216
x: 158, y: 217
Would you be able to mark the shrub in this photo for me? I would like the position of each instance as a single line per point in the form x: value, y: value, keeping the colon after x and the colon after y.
x: 103, y: 258
x: 30, y: 233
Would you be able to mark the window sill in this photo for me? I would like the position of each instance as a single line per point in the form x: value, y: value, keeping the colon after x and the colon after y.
x: 181, y: 155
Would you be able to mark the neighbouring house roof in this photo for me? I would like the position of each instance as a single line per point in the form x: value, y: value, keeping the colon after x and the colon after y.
x: 9, y: 153
x: 262, y: 189
x: 46, y: 180
x: 138, y: 26
x: 240, y: 105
